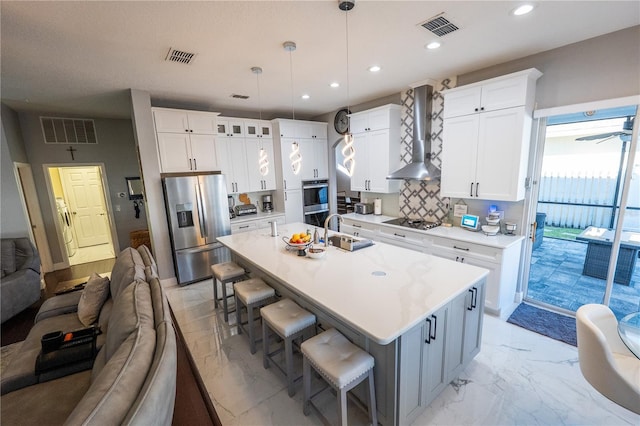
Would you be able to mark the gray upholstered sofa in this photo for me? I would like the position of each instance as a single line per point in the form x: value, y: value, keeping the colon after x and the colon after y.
x: 133, y: 377
x: 20, y: 276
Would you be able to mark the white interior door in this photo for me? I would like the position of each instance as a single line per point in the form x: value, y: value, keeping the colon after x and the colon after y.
x: 83, y: 190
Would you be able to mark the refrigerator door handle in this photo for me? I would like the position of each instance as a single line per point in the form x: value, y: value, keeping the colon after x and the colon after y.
x: 201, y: 213
x: 200, y: 249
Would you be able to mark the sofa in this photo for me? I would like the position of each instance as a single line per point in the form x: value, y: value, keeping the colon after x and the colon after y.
x: 132, y: 379
x: 20, y: 276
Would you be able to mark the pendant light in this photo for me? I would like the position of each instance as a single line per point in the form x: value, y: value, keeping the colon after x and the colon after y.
x: 294, y: 156
x: 348, y: 150
x: 263, y: 158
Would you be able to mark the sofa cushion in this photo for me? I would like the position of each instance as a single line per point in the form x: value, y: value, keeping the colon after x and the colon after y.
x: 131, y: 309
x: 48, y: 403
x: 128, y: 352
x: 59, y: 305
x: 8, y: 256
x: 127, y: 268
x: 94, y: 294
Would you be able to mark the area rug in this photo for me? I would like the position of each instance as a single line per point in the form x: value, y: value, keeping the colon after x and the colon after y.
x: 550, y: 324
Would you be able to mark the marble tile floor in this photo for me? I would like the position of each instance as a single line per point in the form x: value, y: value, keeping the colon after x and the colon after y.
x: 556, y: 279
x: 519, y: 377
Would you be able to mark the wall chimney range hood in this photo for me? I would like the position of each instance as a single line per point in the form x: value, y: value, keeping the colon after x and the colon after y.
x: 420, y: 167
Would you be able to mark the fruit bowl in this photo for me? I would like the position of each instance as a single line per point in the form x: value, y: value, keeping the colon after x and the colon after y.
x: 297, y: 246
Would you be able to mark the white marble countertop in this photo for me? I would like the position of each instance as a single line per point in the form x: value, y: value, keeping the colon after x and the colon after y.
x: 454, y: 232
x: 347, y: 285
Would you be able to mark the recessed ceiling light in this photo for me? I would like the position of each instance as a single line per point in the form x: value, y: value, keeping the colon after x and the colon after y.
x: 335, y: 84
x: 522, y: 10
x: 433, y: 45
x: 305, y: 96
x: 374, y: 68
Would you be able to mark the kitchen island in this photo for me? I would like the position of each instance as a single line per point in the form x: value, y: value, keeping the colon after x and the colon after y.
x: 419, y: 316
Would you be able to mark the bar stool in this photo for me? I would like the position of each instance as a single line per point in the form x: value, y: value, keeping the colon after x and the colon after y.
x: 227, y: 272
x: 252, y: 293
x: 289, y: 321
x: 342, y: 365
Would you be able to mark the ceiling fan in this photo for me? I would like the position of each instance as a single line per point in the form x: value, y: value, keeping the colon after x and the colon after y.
x: 625, y: 134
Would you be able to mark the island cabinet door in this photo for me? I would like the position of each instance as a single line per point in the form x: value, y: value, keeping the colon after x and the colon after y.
x: 473, y: 322
x: 422, y: 366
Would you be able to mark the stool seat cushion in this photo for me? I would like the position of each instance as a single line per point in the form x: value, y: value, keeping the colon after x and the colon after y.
x: 253, y: 290
x: 336, y: 358
x: 286, y: 318
x: 227, y: 270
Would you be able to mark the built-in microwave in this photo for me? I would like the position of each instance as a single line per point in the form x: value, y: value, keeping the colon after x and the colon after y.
x: 315, y: 201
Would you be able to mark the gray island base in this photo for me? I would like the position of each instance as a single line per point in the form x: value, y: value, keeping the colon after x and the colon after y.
x: 418, y: 315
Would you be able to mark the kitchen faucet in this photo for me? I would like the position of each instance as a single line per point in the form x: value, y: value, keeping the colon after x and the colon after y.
x: 326, y: 227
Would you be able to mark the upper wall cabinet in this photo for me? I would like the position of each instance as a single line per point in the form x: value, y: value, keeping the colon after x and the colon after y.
x: 185, y: 121
x: 486, y: 137
x: 186, y: 140
x: 257, y: 129
x: 376, y: 141
x: 305, y: 141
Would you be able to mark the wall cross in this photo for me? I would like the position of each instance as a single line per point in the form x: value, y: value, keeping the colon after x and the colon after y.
x: 71, y: 151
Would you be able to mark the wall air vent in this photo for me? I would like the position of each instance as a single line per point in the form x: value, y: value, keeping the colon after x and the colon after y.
x: 68, y: 130
x: 235, y: 96
x: 439, y: 25
x: 180, y: 56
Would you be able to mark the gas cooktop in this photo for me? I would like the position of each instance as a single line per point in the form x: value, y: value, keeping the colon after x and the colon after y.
x: 413, y: 223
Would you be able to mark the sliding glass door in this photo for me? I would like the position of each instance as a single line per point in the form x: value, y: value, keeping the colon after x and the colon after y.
x: 584, y: 177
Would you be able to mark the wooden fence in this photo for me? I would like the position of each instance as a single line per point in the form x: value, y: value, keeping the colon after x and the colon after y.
x: 582, y: 201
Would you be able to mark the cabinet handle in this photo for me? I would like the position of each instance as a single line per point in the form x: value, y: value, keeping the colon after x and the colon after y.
x: 471, y: 190
x: 475, y: 109
x: 355, y: 225
x: 477, y: 186
x: 435, y: 327
x: 195, y: 164
x: 481, y: 108
x: 285, y: 184
x: 191, y: 130
x: 428, y: 339
x: 190, y: 164
x: 460, y: 248
x: 474, y: 298
x: 242, y: 227
x: 399, y: 235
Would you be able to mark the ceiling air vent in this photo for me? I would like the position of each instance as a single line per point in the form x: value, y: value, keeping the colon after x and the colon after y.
x: 68, y: 130
x: 180, y: 56
x: 235, y: 96
x: 439, y: 25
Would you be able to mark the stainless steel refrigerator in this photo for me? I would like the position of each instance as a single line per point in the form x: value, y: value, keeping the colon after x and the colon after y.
x: 198, y: 213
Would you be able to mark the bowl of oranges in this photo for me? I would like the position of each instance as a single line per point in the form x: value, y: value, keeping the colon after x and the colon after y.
x: 298, y: 241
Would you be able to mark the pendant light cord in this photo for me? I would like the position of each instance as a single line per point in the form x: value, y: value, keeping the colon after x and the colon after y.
x: 346, y: 19
x: 293, y: 109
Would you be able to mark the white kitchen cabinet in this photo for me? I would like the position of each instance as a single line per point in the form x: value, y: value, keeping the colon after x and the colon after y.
x: 503, y: 266
x: 184, y: 121
x: 232, y: 159
x: 311, y: 140
x: 258, y: 129
x: 247, y: 226
x: 486, y: 136
x: 293, y: 210
x: 359, y: 230
x: 181, y: 148
x: 257, y: 181
x: 406, y: 238
x: 376, y: 142
x: 253, y: 223
x: 230, y: 127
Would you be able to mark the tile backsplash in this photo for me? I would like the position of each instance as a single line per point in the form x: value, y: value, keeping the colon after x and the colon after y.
x: 422, y: 199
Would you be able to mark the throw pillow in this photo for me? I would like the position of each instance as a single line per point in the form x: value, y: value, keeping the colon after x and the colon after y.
x: 94, y: 294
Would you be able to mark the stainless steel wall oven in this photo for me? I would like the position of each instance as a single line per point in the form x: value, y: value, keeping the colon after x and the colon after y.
x: 315, y: 201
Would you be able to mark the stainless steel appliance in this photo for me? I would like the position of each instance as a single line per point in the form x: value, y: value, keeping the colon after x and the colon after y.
x: 363, y: 208
x: 232, y: 203
x: 315, y: 201
x: 197, y: 209
x: 267, y: 203
x: 413, y: 223
x: 245, y: 209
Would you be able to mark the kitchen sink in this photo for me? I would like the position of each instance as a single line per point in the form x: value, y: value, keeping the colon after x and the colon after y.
x: 349, y: 242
